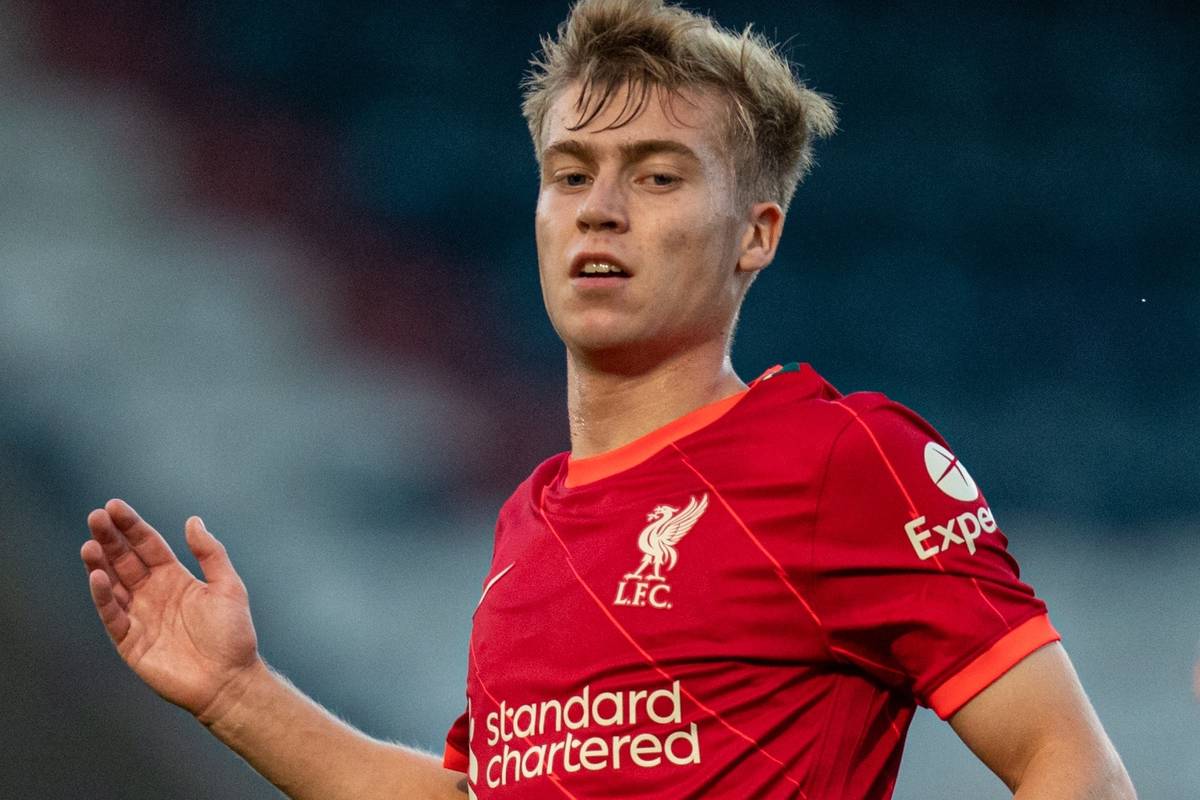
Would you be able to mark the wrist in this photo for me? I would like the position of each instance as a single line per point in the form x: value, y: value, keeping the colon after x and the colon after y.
x: 235, y: 700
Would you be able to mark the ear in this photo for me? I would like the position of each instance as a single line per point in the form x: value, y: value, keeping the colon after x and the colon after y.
x: 761, y: 237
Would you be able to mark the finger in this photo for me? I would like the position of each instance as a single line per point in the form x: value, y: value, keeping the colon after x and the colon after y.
x: 127, y: 566
x: 214, y: 560
x: 115, y: 619
x: 146, y: 542
x: 93, y: 559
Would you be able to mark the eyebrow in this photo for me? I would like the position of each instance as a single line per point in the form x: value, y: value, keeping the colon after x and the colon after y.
x: 631, y: 152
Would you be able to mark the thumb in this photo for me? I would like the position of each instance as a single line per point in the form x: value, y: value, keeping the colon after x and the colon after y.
x: 214, y: 560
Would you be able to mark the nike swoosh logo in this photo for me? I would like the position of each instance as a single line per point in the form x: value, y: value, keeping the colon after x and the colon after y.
x: 492, y: 583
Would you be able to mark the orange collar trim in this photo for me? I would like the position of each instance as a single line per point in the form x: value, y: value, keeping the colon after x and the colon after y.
x: 593, y: 468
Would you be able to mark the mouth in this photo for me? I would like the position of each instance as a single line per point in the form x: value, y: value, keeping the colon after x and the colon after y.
x: 598, y: 267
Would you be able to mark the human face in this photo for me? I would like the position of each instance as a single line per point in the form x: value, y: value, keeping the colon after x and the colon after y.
x: 655, y: 197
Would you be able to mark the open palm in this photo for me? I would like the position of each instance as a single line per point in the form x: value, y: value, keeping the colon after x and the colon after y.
x: 187, y: 639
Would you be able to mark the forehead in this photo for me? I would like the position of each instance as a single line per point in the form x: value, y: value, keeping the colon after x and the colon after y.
x: 693, y: 117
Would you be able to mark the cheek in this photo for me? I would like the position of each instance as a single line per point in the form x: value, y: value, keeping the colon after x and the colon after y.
x: 678, y: 239
x: 674, y: 236
x: 696, y: 248
x: 543, y: 235
x: 551, y: 221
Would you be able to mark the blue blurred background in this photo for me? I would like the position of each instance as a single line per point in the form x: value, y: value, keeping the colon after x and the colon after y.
x: 273, y: 262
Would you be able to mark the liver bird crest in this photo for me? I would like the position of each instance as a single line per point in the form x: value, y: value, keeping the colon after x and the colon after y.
x: 658, y: 539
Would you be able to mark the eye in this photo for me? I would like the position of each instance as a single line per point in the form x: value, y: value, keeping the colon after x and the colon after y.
x: 661, y: 180
x: 573, y: 180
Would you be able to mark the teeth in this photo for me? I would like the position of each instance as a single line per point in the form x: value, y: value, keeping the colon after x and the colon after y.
x: 601, y: 268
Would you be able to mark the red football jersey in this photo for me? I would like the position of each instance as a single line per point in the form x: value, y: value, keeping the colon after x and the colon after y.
x: 747, y: 602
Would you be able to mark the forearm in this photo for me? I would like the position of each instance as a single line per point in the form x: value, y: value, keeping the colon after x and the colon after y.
x: 1059, y: 773
x: 310, y: 754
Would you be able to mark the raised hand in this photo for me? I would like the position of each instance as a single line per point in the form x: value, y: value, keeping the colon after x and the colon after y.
x: 189, y: 640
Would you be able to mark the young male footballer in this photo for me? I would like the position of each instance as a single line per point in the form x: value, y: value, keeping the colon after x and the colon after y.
x: 723, y: 590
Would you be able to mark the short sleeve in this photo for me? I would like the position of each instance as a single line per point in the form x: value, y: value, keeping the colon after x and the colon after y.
x: 912, y: 578
x: 455, y: 756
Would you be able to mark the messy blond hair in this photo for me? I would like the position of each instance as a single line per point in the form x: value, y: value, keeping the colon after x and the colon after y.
x: 648, y: 45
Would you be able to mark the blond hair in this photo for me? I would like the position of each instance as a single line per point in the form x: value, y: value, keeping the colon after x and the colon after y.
x: 647, y: 45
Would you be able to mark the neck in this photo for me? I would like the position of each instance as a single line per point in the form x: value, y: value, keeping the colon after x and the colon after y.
x: 608, y: 409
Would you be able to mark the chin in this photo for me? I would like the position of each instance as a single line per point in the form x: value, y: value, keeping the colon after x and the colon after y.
x: 597, y: 330
x: 621, y: 354
x: 600, y: 343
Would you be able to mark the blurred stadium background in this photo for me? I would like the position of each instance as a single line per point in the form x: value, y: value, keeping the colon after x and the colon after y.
x: 272, y: 262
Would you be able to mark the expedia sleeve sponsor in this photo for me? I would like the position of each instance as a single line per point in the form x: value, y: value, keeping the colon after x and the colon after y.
x: 910, y: 574
x: 641, y: 728
x: 963, y: 529
x: 953, y: 481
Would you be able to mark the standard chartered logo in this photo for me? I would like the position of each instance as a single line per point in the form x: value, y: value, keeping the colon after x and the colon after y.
x: 572, y: 725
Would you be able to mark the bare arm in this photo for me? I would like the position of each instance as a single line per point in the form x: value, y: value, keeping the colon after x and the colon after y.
x: 1035, y: 728
x: 308, y: 753
x: 193, y: 642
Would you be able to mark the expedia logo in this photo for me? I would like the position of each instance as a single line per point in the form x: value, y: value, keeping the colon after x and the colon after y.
x: 963, y: 529
x: 949, y: 475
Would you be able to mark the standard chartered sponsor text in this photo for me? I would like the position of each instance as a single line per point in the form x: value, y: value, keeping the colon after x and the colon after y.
x: 534, y: 743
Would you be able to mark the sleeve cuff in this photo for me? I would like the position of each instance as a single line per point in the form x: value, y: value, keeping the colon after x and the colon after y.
x: 998, y: 659
x: 454, y: 759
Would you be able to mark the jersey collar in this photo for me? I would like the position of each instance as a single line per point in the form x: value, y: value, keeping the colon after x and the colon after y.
x: 582, y: 471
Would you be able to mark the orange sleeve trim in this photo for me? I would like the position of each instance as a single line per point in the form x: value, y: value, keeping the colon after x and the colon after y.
x: 991, y: 664
x: 593, y: 468
x: 455, y: 760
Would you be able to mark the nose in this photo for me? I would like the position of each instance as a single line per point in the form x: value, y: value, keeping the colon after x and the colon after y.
x: 603, y: 208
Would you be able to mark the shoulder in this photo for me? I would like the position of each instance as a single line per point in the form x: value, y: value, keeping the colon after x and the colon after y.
x: 517, y: 520
x: 888, y: 470
x: 803, y: 409
x: 528, y: 494
x: 864, y: 448
x: 873, y: 424
x: 893, y: 444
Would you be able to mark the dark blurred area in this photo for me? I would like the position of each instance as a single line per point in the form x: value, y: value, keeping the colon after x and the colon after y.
x: 273, y: 263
